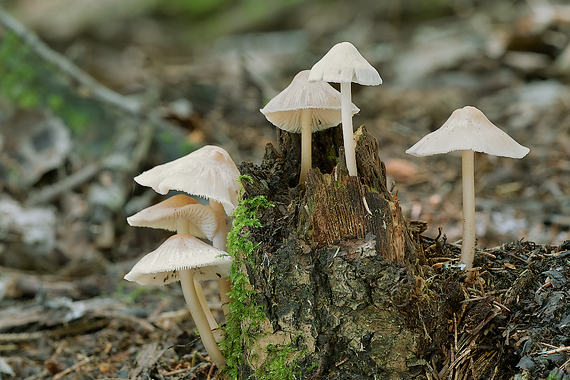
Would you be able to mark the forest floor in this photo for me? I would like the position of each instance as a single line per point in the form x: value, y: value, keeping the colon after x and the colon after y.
x: 66, y: 182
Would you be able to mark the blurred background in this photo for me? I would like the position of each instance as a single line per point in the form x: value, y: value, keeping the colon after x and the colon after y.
x: 190, y: 73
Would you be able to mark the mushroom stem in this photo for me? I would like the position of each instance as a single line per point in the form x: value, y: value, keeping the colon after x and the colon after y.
x: 207, y: 312
x: 220, y: 237
x: 306, y: 137
x: 220, y: 241
x: 183, y: 227
x: 200, y: 320
x: 224, y: 286
x: 468, y: 241
x: 347, y: 132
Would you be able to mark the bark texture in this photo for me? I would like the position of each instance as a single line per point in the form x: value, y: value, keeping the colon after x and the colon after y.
x: 337, y: 274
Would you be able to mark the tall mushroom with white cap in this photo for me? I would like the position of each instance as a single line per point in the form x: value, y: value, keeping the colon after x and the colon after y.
x: 305, y: 107
x: 469, y: 131
x: 344, y: 64
x: 184, y: 215
x: 184, y: 258
x: 208, y: 172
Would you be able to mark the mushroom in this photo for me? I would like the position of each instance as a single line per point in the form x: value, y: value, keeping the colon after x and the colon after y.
x: 344, y: 64
x: 469, y: 131
x: 179, y: 213
x: 184, y: 215
x: 207, y: 172
x: 305, y: 107
x: 183, y: 258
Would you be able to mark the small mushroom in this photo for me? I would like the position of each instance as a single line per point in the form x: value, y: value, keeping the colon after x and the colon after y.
x: 179, y: 213
x: 184, y: 258
x: 344, y: 64
x: 305, y: 107
x: 184, y: 215
x: 207, y: 172
x: 469, y: 131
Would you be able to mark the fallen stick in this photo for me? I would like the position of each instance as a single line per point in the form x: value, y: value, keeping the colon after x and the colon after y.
x: 96, y: 90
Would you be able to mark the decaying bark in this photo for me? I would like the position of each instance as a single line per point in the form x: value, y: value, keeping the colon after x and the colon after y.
x: 337, y: 273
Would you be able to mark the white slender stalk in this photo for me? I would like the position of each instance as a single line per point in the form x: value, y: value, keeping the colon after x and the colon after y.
x: 468, y: 241
x: 347, y: 132
x: 182, y: 227
x: 200, y: 320
x: 220, y: 241
x: 306, y: 137
x: 207, y: 312
x: 220, y: 237
x: 224, y: 285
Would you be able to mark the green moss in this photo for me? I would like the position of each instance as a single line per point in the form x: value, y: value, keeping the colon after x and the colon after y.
x: 244, y: 177
x: 244, y: 318
x: 332, y: 155
x: 243, y: 311
x: 279, y: 363
x: 31, y: 83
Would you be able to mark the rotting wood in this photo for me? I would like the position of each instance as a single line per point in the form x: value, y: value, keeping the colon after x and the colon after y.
x: 336, y: 267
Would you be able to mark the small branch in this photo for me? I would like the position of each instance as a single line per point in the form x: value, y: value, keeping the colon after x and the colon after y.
x: 64, y: 65
x: 74, y: 367
x: 78, y: 178
x: 74, y: 180
x: 556, y: 351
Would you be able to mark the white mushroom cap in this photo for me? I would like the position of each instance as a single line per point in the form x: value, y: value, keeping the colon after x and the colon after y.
x: 468, y: 129
x: 180, y: 252
x: 207, y: 172
x: 343, y: 63
x: 201, y: 219
x: 284, y: 110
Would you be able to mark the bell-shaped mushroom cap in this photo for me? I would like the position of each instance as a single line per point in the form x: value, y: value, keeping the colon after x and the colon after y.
x: 180, y: 252
x: 342, y: 64
x: 468, y: 129
x: 284, y: 110
x: 207, y: 172
x: 201, y: 219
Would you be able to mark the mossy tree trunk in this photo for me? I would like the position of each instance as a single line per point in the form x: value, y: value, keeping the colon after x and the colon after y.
x: 336, y: 273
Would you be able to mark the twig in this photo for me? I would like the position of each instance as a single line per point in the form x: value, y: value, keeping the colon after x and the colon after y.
x: 49, y: 193
x: 501, y: 306
x: 56, y: 333
x: 548, y: 345
x: 64, y: 65
x: 74, y: 180
x: 74, y: 367
x: 177, y: 371
x: 455, y: 331
x: 431, y: 371
x: 458, y: 360
x: 556, y: 351
x: 130, y: 318
x: 563, y: 365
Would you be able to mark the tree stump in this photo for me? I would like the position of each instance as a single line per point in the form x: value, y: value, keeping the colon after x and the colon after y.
x: 335, y: 273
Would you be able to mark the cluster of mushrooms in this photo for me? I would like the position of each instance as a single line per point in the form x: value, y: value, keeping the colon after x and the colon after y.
x: 210, y: 173
x: 307, y: 105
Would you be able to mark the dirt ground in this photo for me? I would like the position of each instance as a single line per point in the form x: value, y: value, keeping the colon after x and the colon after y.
x: 66, y: 175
